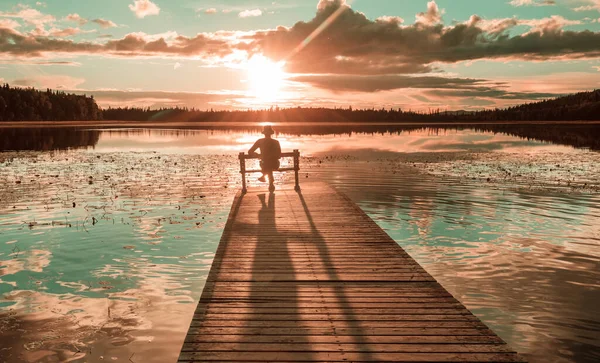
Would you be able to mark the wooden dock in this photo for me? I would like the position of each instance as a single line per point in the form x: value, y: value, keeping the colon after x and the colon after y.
x: 309, y: 277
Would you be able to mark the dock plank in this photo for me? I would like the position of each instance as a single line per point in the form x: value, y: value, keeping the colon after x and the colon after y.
x: 309, y: 277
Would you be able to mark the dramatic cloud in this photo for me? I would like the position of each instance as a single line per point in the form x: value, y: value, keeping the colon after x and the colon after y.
x: 105, y: 24
x: 338, y: 40
x: 76, y: 19
x: 210, y: 11
x: 250, y: 13
x: 354, y: 44
x: 532, y: 2
x: 144, y: 8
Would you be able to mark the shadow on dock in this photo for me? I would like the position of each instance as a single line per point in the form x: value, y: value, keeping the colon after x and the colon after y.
x: 309, y: 277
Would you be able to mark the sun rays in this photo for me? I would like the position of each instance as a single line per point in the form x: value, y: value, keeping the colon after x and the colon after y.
x: 265, y: 78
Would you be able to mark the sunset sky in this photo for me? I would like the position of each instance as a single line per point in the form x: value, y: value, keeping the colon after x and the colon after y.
x: 238, y: 54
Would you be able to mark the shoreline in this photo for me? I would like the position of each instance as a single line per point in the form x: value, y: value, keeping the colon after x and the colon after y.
x: 161, y: 124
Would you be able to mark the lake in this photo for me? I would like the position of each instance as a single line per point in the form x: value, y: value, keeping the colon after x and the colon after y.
x: 107, y: 234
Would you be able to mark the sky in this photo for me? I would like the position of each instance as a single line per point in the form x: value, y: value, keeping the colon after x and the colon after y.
x: 249, y: 54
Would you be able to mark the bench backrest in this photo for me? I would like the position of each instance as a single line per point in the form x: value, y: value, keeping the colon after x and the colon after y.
x: 296, y: 168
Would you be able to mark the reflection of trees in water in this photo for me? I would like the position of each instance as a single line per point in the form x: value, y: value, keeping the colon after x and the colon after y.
x: 580, y: 136
x: 45, y: 139
x: 577, y: 135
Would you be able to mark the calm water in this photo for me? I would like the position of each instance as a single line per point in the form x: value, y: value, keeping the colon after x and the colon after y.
x: 107, y: 236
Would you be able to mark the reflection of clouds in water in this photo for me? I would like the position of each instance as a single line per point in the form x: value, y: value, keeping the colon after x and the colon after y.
x: 538, y: 302
x: 211, y: 142
x: 125, y: 322
x: 29, y: 260
x: 513, y: 258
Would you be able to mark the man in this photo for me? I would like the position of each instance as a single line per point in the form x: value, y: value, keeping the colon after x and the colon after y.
x: 270, y: 153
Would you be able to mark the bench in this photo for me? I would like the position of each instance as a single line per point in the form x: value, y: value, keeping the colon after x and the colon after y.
x: 295, y: 154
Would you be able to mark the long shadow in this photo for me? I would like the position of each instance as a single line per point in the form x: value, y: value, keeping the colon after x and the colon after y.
x: 269, y: 294
x: 343, y: 302
x: 272, y: 257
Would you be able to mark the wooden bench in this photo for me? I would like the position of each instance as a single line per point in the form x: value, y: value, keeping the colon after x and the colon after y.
x: 295, y: 154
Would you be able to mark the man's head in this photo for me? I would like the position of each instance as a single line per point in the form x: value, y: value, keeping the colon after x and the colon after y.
x: 268, y: 131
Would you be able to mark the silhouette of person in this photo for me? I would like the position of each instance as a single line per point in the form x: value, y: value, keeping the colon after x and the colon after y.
x: 270, y: 153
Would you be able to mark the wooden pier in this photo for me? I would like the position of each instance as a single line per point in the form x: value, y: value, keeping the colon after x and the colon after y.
x: 308, y: 277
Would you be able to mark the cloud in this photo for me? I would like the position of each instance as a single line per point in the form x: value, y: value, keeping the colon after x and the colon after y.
x: 105, y: 24
x: 592, y: 5
x: 67, y: 32
x: 177, y: 65
x: 210, y: 11
x: 352, y: 83
x: 491, y: 93
x: 43, y: 63
x: 323, y: 4
x: 432, y: 16
x: 390, y: 19
x: 597, y: 68
x: 76, y: 19
x: 143, y: 8
x: 553, y: 24
x: 250, y: 13
x: 156, y: 99
x: 52, y: 81
x: 30, y: 16
x: 533, y: 2
x: 9, y: 24
x: 354, y: 44
x: 134, y: 44
x: 350, y: 44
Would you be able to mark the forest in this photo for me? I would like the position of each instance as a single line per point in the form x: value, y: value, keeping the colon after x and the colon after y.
x: 584, y: 106
x: 18, y: 104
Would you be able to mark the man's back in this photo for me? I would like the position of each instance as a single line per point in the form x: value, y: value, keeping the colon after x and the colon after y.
x: 270, y: 149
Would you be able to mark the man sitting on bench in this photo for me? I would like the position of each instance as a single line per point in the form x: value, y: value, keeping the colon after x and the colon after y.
x: 270, y: 153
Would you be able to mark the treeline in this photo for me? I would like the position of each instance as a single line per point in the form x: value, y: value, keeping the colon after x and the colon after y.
x: 583, y: 106
x: 17, y: 104
x: 33, y: 105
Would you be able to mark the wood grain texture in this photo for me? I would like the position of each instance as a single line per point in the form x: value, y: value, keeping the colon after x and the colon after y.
x: 309, y: 277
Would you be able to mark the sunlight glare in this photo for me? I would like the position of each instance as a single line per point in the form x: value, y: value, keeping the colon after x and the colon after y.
x: 265, y: 78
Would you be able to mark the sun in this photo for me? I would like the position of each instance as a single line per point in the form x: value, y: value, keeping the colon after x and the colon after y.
x: 265, y: 78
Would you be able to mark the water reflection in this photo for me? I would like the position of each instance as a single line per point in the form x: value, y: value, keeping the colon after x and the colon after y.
x: 49, y: 138
x: 113, y: 246
x: 527, y: 263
